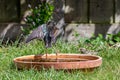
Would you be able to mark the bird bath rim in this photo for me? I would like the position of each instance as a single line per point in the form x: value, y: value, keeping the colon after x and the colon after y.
x: 92, y: 61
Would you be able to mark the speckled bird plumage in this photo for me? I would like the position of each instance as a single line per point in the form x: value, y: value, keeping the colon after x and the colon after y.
x: 38, y: 33
x: 44, y: 32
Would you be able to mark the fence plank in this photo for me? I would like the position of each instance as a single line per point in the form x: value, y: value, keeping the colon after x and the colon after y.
x: 76, y: 11
x: 101, y: 11
x: 117, y: 13
x: 8, y: 10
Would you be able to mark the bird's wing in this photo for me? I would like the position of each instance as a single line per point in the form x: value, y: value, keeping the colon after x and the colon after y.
x: 36, y: 34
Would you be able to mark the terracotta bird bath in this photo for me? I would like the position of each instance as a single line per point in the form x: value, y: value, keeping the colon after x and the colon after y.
x: 61, y: 61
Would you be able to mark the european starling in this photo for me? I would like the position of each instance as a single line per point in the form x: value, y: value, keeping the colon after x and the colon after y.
x: 45, y: 32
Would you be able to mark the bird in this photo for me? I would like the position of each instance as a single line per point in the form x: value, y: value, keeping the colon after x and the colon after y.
x: 45, y: 32
x: 85, y: 51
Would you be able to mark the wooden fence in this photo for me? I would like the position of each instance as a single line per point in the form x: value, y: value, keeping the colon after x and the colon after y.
x: 92, y: 11
x: 84, y: 17
x: 13, y: 10
x: 80, y: 11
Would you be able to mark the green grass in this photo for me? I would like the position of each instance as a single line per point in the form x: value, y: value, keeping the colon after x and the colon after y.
x: 110, y: 69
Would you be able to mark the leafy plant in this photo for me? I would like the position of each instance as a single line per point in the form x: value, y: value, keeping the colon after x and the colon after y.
x: 40, y: 14
x: 113, y: 38
x: 100, y: 40
x: 110, y: 39
x: 95, y: 40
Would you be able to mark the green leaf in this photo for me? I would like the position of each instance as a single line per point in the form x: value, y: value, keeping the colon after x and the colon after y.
x: 40, y: 15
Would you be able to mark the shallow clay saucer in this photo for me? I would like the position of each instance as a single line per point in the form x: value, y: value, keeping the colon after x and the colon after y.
x: 59, y: 61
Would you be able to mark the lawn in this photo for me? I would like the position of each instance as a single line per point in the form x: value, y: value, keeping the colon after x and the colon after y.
x: 110, y: 69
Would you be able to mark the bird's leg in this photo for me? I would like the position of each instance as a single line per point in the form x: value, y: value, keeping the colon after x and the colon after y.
x: 46, y: 56
x: 57, y: 55
x: 46, y: 53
